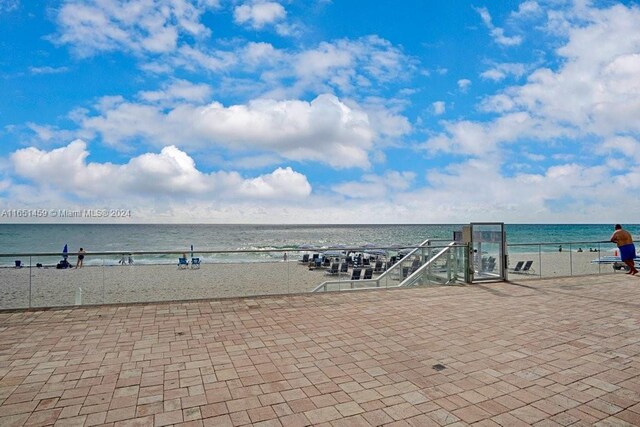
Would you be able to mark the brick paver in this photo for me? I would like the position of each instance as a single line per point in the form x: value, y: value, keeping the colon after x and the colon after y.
x: 550, y: 352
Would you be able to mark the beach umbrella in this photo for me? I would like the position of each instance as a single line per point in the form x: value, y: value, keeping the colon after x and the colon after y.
x: 333, y: 253
x: 305, y: 248
x: 404, y: 251
x: 375, y: 251
x: 65, y: 251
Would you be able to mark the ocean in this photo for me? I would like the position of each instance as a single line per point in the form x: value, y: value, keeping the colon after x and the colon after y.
x: 49, y: 238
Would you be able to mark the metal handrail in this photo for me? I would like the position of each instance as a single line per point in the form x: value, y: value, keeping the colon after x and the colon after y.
x: 413, y: 276
x: 323, y: 286
x: 557, y: 243
x: 164, y: 252
x: 426, y: 243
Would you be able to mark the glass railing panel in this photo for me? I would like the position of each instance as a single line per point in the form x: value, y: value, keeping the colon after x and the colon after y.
x: 444, y: 265
x: 305, y: 277
x: 113, y: 278
x: 559, y: 260
x: 582, y: 257
x: 56, y: 282
x: 15, y: 286
x: 534, y: 261
x: 128, y: 278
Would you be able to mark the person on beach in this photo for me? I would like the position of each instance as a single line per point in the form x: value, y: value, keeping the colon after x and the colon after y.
x: 80, y: 258
x: 622, y: 239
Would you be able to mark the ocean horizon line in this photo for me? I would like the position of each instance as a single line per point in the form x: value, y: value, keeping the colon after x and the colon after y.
x: 312, y: 224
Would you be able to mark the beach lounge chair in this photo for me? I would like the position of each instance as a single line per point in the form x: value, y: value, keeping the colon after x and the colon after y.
x: 488, y: 264
x: 344, y: 267
x: 333, y: 270
x: 415, y: 265
x: 378, y: 267
x: 195, y: 263
x: 305, y: 259
x: 518, y: 267
x: 182, y: 263
x: 368, y: 274
x: 355, y: 274
x: 527, y: 267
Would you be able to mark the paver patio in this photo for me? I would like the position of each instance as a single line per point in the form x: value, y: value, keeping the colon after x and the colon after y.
x: 543, y: 352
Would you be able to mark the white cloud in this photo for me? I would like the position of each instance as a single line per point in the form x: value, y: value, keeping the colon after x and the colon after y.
x: 279, y: 184
x: 439, y: 108
x: 171, y: 173
x: 595, y: 91
x: 259, y: 54
x: 363, y: 66
x: 324, y: 130
x: 375, y: 186
x: 48, y: 70
x: 9, y: 5
x: 258, y: 15
x: 596, y: 88
x: 179, y: 90
x: 624, y: 151
x: 463, y: 85
x: 474, y: 189
x: 501, y: 71
x: 526, y: 9
x: 496, y: 32
x: 480, y: 139
x: 139, y: 26
x: 347, y: 66
x: 385, y: 117
x: 586, y: 107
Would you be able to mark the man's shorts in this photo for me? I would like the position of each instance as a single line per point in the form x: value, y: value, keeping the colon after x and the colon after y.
x: 627, y: 252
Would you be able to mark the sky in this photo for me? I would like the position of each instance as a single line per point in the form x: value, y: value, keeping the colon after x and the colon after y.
x: 320, y: 111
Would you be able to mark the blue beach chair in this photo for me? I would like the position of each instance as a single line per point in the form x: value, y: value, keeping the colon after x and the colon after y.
x: 527, y: 268
x: 183, y: 263
x: 195, y: 263
x: 517, y: 268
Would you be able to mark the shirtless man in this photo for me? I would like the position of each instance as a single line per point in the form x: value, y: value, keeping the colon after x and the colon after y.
x: 622, y: 238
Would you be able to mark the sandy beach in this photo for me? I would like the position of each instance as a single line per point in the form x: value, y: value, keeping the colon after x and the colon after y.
x: 49, y: 287
x: 142, y: 283
x: 559, y: 264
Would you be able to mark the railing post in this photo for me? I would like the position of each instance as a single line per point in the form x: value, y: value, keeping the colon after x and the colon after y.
x: 540, y: 259
x: 30, y: 262
x: 104, y: 284
x: 570, y: 259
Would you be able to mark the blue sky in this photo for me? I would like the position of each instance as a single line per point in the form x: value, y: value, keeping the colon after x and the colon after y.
x: 216, y: 111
